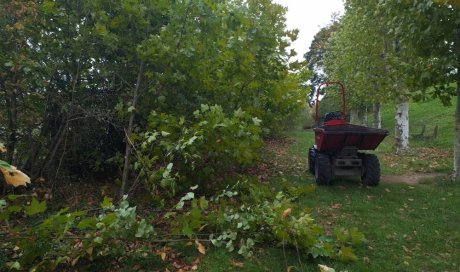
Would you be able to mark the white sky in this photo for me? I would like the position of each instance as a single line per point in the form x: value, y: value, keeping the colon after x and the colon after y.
x: 308, y: 16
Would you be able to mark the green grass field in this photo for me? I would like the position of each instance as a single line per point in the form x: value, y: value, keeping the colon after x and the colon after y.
x: 408, y: 227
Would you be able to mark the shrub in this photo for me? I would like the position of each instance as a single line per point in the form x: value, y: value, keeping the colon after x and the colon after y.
x: 200, y: 150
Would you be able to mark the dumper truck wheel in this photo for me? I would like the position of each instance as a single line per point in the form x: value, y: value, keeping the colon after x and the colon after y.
x: 311, y: 160
x: 323, y: 171
x: 371, y: 170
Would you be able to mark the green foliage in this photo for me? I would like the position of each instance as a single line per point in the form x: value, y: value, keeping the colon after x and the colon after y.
x: 71, y: 68
x: 65, y: 238
x: 174, y: 149
x: 265, y: 218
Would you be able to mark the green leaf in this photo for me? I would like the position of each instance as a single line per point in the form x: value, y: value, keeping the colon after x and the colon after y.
x: 203, y: 203
x: 109, y: 218
x: 357, y: 237
x: 346, y: 254
x: 6, y: 166
x: 186, y: 230
x: 35, y: 207
x: 131, y: 109
x: 98, y: 240
x: 341, y: 235
x: 87, y: 223
x: 188, y: 196
x: 13, y: 197
x: 143, y: 229
x: 14, y: 208
x: 256, y: 121
x: 14, y: 265
x: 107, y: 203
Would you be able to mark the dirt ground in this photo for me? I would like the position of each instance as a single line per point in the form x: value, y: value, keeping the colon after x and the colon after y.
x: 412, y: 179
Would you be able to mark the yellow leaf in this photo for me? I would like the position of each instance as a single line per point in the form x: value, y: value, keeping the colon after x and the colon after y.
x: 200, y: 247
x: 289, y: 269
x: 15, y: 177
x: 286, y: 213
x: 2, y: 148
x: 324, y: 268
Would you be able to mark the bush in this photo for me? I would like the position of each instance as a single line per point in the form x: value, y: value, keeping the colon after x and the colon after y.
x: 201, y: 150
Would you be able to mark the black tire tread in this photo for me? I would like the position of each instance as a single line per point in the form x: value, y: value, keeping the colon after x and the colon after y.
x: 323, y: 171
x: 311, y: 160
x: 371, y: 173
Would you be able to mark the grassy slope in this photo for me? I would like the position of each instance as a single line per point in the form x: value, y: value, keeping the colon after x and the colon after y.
x: 425, y: 155
x: 409, y: 228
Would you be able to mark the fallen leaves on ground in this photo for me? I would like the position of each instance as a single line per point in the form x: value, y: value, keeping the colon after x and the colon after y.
x: 237, y: 264
x: 200, y: 247
x: 324, y: 268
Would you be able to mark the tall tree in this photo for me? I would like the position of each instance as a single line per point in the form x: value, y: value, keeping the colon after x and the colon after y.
x: 364, y: 55
x: 432, y: 30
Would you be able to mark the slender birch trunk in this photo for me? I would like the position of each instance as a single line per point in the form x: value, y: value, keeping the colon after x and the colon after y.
x: 362, y: 114
x: 377, y: 114
x: 353, y: 117
x: 402, y: 125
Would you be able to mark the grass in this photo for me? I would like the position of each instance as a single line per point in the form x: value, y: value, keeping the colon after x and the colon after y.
x: 408, y: 228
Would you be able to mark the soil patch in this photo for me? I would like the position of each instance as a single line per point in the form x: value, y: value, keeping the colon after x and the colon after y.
x: 412, y: 179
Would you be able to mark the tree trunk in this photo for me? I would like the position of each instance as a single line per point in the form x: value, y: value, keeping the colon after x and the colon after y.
x: 362, y: 115
x: 353, y: 117
x: 53, y: 147
x: 377, y: 114
x: 402, y: 125
x: 11, y: 104
x: 128, y: 148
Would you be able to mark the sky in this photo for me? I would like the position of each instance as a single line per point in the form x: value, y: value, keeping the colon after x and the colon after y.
x: 308, y: 16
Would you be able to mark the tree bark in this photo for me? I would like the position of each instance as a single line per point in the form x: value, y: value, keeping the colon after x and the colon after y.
x: 362, y: 115
x: 353, y: 116
x: 11, y: 104
x: 377, y: 114
x: 128, y: 147
x: 54, y: 147
x: 402, y: 125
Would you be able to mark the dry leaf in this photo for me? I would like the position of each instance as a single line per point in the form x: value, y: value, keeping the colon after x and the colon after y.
x: 335, y: 206
x: 237, y: 264
x: 200, y: 247
x: 323, y: 268
x: 2, y: 148
x: 89, y: 251
x: 289, y: 269
x: 406, y: 249
x: 286, y: 213
x: 15, y: 177
x: 74, y: 262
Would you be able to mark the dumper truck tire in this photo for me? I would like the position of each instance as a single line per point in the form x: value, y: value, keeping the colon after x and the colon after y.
x: 311, y: 160
x: 323, y: 170
x: 371, y: 170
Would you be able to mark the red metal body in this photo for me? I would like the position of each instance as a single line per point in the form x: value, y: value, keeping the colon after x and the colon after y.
x: 334, y: 135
